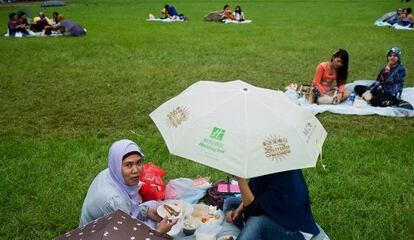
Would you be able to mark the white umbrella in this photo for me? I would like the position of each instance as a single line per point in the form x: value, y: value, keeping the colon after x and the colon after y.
x: 240, y: 129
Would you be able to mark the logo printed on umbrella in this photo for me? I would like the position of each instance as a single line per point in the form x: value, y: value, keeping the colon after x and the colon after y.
x: 275, y: 147
x: 177, y: 116
x: 217, y: 133
x: 308, y: 130
x: 213, y: 143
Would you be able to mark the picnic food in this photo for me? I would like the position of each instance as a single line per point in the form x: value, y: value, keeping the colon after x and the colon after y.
x: 189, y: 227
x: 171, y: 211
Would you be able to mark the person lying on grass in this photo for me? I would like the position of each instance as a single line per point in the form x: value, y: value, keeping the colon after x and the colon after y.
x: 274, y: 206
x: 117, y: 188
x: 170, y: 12
x: 68, y: 27
x: 386, y: 90
x: 329, y: 72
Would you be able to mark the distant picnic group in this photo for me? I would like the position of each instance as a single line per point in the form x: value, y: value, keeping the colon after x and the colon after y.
x: 400, y: 18
x: 19, y: 26
x: 170, y: 14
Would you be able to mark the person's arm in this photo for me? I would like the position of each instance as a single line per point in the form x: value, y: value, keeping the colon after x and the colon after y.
x: 153, y: 215
x: 249, y: 203
x: 232, y: 215
x: 246, y: 193
x: 317, y: 78
x: 165, y: 226
x: 395, y: 77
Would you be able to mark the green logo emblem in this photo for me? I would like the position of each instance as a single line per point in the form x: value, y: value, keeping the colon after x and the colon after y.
x: 217, y: 133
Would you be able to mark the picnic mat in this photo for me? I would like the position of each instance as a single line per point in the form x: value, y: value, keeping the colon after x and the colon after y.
x: 237, y: 22
x: 163, y: 20
x: 360, y: 107
x: 380, y: 23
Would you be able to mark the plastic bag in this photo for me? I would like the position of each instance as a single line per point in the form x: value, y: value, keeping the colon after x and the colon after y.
x: 184, y: 189
x: 153, y: 187
x: 207, y: 232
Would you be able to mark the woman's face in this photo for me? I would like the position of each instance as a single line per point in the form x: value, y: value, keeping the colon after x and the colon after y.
x: 131, y: 169
x: 393, y: 58
x: 337, y: 62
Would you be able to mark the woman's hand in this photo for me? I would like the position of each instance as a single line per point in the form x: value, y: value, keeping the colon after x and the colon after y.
x: 231, y: 215
x: 153, y: 215
x: 165, y: 226
x: 339, y: 98
x: 367, y: 96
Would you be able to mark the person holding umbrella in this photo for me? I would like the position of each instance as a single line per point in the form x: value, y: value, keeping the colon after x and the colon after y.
x: 274, y: 206
x: 117, y: 188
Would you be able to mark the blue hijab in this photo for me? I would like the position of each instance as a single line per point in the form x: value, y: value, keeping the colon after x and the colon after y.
x: 116, y: 153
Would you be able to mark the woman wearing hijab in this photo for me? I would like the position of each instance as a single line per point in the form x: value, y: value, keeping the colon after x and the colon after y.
x: 117, y: 188
x: 274, y: 206
x: 386, y: 90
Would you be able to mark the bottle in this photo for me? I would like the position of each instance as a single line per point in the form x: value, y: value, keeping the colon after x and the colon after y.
x: 352, y: 98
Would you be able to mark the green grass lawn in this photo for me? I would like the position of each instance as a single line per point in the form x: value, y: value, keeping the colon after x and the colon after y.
x: 64, y: 100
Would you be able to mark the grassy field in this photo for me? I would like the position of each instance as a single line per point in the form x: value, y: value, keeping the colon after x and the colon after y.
x: 63, y: 101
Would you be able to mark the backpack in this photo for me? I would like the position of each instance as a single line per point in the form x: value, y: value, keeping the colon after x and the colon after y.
x: 214, y: 16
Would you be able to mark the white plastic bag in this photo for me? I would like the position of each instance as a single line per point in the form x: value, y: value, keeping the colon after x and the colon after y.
x: 183, y: 189
x: 207, y: 231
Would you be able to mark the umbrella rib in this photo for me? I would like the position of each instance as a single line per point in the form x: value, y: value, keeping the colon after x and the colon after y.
x: 247, y: 135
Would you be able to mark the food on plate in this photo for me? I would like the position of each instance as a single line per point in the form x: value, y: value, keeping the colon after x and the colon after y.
x: 206, y: 213
x: 171, y: 211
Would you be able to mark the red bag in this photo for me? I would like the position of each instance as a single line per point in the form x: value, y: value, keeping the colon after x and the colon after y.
x: 153, y: 187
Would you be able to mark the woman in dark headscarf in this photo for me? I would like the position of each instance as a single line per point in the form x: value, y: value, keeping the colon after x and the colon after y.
x: 387, y: 89
x: 117, y: 188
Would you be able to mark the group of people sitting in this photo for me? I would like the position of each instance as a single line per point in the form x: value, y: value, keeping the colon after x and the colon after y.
x: 42, y: 25
x: 384, y: 92
x: 402, y: 17
x: 169, y: 13
x: 237, y: 15
x: 226, y: 15
x: 274, y: 206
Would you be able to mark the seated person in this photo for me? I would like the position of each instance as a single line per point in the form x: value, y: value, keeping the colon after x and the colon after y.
x: 169, y: 12
x: 41, y: 23
x: 227, y: 13
x: 117, y: 188
x: 326, y: 74
x: 15, y: 26
x: 54, y: 18
x: 406, y: 18
x: 274, y: 206
x: 22, y: 18
x: 68, y: 27
x: 238, y: 14
x: 392, y: 17
x: 386, y: 90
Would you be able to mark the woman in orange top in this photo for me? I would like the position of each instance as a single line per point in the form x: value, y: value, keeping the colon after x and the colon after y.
x: 227, y: 13
x: 328, y: 72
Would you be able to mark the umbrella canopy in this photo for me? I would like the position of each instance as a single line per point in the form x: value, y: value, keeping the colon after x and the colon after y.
x: 118, y: 226
x: 240, y: 129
